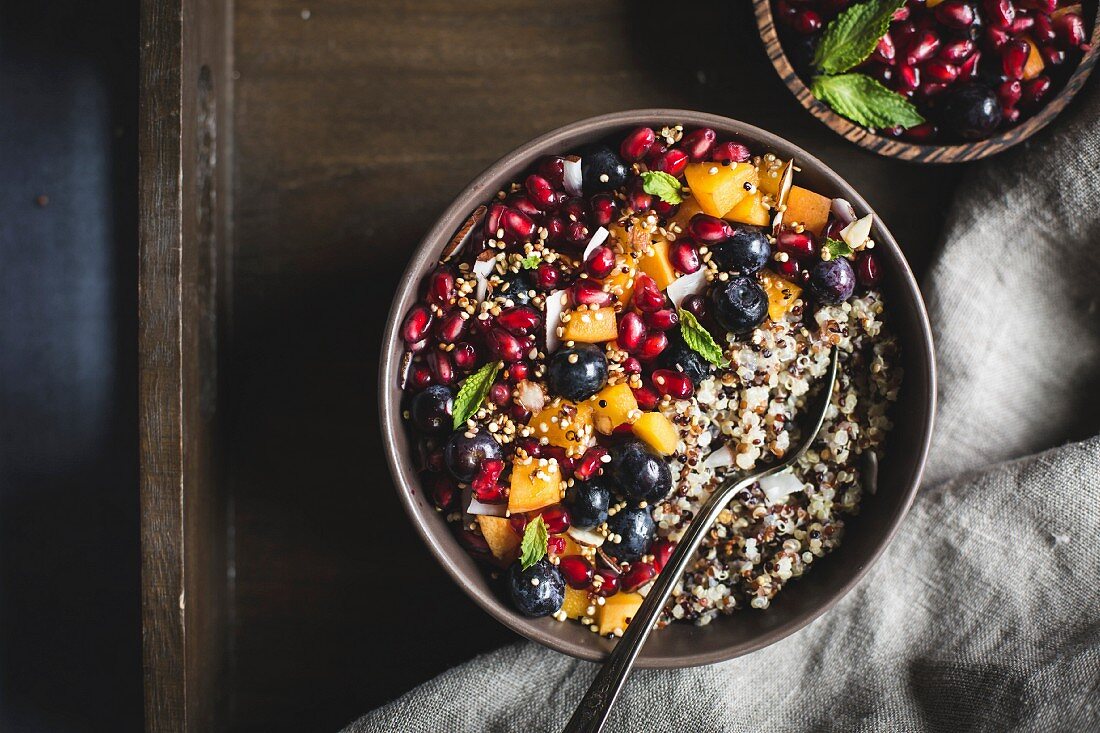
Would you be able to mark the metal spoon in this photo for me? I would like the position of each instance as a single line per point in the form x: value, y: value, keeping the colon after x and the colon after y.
x: 592, y: 712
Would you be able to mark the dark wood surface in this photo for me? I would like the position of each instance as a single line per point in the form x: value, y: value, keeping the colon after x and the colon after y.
x: 355, y: 123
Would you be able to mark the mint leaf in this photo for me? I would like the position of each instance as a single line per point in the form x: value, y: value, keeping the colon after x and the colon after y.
x: 852, y: 36
x: 862, y: 99
x: 699, y: 339
x: 837, y: 248
x: 473, y: 392
x: 530, y: 262
x: 535, y: 541
x: 663, y: 185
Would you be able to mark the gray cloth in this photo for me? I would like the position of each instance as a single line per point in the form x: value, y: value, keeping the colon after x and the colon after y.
x: 984, y: 614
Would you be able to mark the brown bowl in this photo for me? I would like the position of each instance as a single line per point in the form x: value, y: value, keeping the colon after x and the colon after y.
x: 894, y: 148
x: 684, y: 645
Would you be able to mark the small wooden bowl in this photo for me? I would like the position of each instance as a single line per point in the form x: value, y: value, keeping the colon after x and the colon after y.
x: 894, y: 148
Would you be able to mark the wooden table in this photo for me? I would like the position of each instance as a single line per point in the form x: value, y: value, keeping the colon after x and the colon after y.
x: 344, y: 128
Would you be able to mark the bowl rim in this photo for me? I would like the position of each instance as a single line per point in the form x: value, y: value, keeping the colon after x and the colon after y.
x: 915, y: 152
x: 478, y: 191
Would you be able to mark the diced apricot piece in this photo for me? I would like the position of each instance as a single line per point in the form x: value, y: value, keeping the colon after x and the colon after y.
x: 564, y: 424
x: 501, y: 538
x: 570, y: 548
x: 807, y: 208
x: 658, y: 432
x: 576, y: 603
x: 769, y: 174
x: 751, y: 210
x: 613, y: 406
x: 782, y: 294
x: 617, y: 611
x: 689, y: 207
x: 591, y: 327
x: 1034, y: 64
x: 536, y: 482
x: 620, y: 283
x: 657, y: 264
x: 718, y: 188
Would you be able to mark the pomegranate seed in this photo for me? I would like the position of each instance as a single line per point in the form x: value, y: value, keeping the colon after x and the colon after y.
x: 900, y: 14
x: 672, y: 161
x: 552, y: 168
x: 674, y: 384
x: 662, y: 550
x: 540, y: 191
x: 636, y: 197
x: 806, y: 22
x: 632, y: 365
x: 555, y: 546
x: 464, y: 356
x: 646, y: 398
x: 600, y: 263
x: 699, y: 143
x: 518, y: 371
x: 504, y: 345
x: 443, y: 491
x: 1034, y: 91
x: 652, y: 346
x: 1043, y: 6
x: 647, y: 296
x: 1069, y: 30
x: 996, y: 38
x: 440, y: 365
x: 590, y: 464
x: 885, y: 50
x: 1013, y: 57
x: 956, y: 51
x: 635, y: 146
x: 475, y: 544
x: 624, y: 429
x: 519, y: 320
x: 867, y: 269
x: 932, y: 88
x: 500, y: 394
x: 420, y: 377
x: 441, y: 287
x: 908, y: 77
x: 573, y: 210
x: 451, y: 327
x: 547, y: 277
x: 903, y: 33
x: 785, y: 12
x: 1011, y: 115
x: 531, y: 447
x: 1043, y: 30
x: 555, y: 228
x: 684, y: 257
x: 662, y: 320
x: 940, y: 71
x: 590, y: 292
x: 968, y: 69
x: 999, y: 13
x: 709, y: 229
x: 517, y: 226
x: 609, y: 585
x: 492, y: 218
x: 639, y: 574
x: 955, y: 13
x: 632, y: 332
x: 522, y: 204
x: 921, y: 133
x: 576, y: 232
x: 434, y: 461
x: 665, y: 209
x: 417, y: 323
x: 556, y: 518
x: 485, y: 485
x: 696, y: 305
x: 731, y: 151
x: 801, y: 245
x: 1053, y: 56
x: 790, y: 269
x: 602, y: 210
x: 577, y: 571
x: 1021, y: 25
x: 921, y: 47
x: 1009, y: 93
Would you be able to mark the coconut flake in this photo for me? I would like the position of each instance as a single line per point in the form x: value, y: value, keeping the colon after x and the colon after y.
x: 857, y: 232
x: 556, y: 303
x: 720, y: 458
x: 682, y: 287
x: 598, y: 238
x: 483, y: 267
x: 487, y: 510
x: 572, y: 179
x: 844, y: 212
x: 585, y: 537
x: 779, y: 486
x: 530, y: 395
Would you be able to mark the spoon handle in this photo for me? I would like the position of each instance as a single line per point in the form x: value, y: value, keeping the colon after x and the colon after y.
x: 592, y: 712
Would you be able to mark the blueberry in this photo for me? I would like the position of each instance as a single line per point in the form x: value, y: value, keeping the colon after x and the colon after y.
x: 515, y: 286
x: 678, y: 356
x: 588, y: 502
x: 637, y: 531
x: 598, y: 161
x: 537, y: 591
x: 745, y: 252
x: 430, y: 410
x: 740, y: 304
x: 833, y: 281
x: 463, y: 455
x: 972, y: 111
x: 639, y: 474
x: 578, y: 372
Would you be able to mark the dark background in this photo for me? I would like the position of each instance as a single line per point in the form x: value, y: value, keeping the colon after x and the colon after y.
x: 355, y: 124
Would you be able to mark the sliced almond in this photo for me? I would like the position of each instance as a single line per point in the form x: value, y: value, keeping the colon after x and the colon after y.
x: 458, y: 241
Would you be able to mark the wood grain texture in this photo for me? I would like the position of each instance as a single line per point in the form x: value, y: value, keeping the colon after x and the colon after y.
x: 182, y: 226
x: 893, y: 148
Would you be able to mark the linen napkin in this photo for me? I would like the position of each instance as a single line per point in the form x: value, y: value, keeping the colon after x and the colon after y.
x: 984, y: 613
